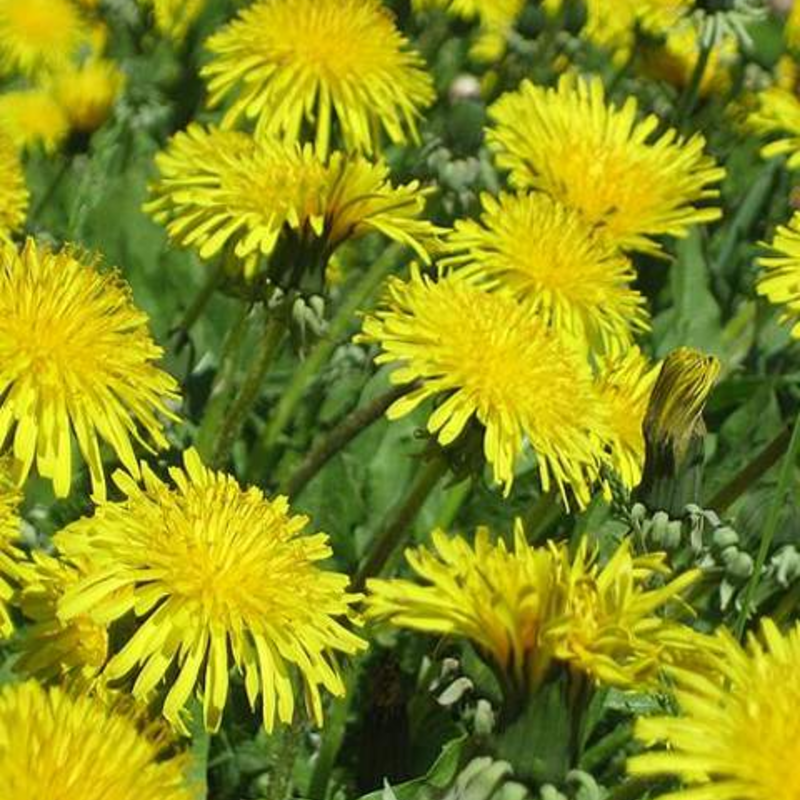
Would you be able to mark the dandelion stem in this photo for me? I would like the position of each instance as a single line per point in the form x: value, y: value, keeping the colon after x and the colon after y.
x: 770, y: 526
x: 398, y: 523
x: 689, y: 98
x: 339, y: 437
x: 198, y: 305
x: 285, y: 755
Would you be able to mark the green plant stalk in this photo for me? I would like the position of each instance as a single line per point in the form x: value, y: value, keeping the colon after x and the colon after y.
x: 201, y: 300
x: 282, y: 772
x: 398, y: 523
x: 770, y: 527
x: 543, y: 513
x: 689, y: 98
x: 243, y: 403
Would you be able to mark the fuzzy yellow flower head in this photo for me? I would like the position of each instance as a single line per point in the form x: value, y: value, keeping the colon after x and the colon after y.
x: 219, y: 188
x: 779, y: 281
x: 12, y: 570
x: 13, y: 190
x: 603, y: 162
x: 551, y: 258
x: 76, y: 359
x: 738, y: 734
x: 87, y: 93
x: 486, y: 357
x: 33, y: 118
x: 212, y: 572
x: 777, y: 116
x: 40, y: 35
x: 528, y: 608
x: 340, y: 66
x: 174, y: 18
x: 54, y: 745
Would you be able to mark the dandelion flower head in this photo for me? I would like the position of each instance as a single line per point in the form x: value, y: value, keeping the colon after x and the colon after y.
x: 13, y: 189
x: 174, y: 18
x: 212, y: 572
x: 779, y: 281
x: 87, y: 93
x: 11, y: 570
x: 777, y: 116
x: 33, y: 118
x: 76, y: 359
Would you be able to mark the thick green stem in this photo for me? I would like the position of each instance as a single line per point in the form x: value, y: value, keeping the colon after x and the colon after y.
x: 283, y: 761
x: 771, y: 526
x: 240, y: 409
x: 339, y: 437
x: 398, y: 523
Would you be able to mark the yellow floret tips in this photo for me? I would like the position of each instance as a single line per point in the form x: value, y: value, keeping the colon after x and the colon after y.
x: 76, y: 360
x: 14, y: 194
x: 53, y: 744
x: 486, y: 357
x: 174, y: 18
x: 737, y: 731
x: 531, y: 607
x: 213, y: 574
x: 340, y: 66
x: 779, y: 280
x: 602, y: 161
x: 12, y: 568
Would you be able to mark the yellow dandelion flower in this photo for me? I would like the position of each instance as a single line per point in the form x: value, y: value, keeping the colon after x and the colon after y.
x: 212, y: 571
x: 549, y: 257
x: 340, y: 66
x: 75, y: 358
x: 738, y: 732
x: 174, y: 18
x: 13, y: 189
x: 625, y: 383
x: 488, y: 358
x: 33, y: 118
x: 779, y: 281
x: 53, y: 745
x: 601, y: 161
x: 777, y: 116
x: 49, y: 647
x: 87, y: 93
x: 528, y: 608
x: 40, y: 35
x: 12, y: 571
x: 219, y: 188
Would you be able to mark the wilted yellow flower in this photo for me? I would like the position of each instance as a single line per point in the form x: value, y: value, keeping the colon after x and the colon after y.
x: 212, y: 572
x: 40, y: 35
x: 337, y: 65
x: 54, y: 745
x: 738, y: 733
x: 220, y: 188
x: 625, y: 383
x: 174, y: 18
x: 87, y: 93
x: 534, y: 606
x: 13, y: 190
x: 601, y: 161
x: 75, y: 357
x: 777, y: 116
x: 779, y: 281
x: 551, y: 258
x: 11, y: 569
x: 488, y: 358
x: 33, y: 118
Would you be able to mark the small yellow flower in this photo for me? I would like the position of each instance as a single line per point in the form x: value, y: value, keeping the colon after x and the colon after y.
x: 601, y: 161
x: 75, y: 358
x: 549, y: 257
x: 38, y: 35
x: 54, y: 745
x: 13, y: 189
x: 224, y: 187
x: 211, y: 573
x: 777, y: 116
x: 738, y: 732
x: 535, y: 606
x: 33, y: 118
x: 336, y: 65
x: 486, y: 357
x: 779, y: 281
x: 87, y: 93
x: 174, y: 18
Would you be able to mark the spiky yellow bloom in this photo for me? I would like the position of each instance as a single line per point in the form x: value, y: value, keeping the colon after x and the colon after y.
x: 534, y: 606
x: 600, y: 160
x: 777, y: 116
x: 211, y: 572
x: 33, y: 118
x: 174, y: 18
x: 738, y: 732
x: 488, y: 358
x: 13, y: 189
x: 75, y: 358
x: 625, y: 383
x: 551, y: 258
x: 779, y: 281
x: 87, y: 93
x: 39, y: 35
x: 54, y: 745
x: 219, y: 188
x: 340, y: 66
x: 11, y: 568
x: 49, y: 647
